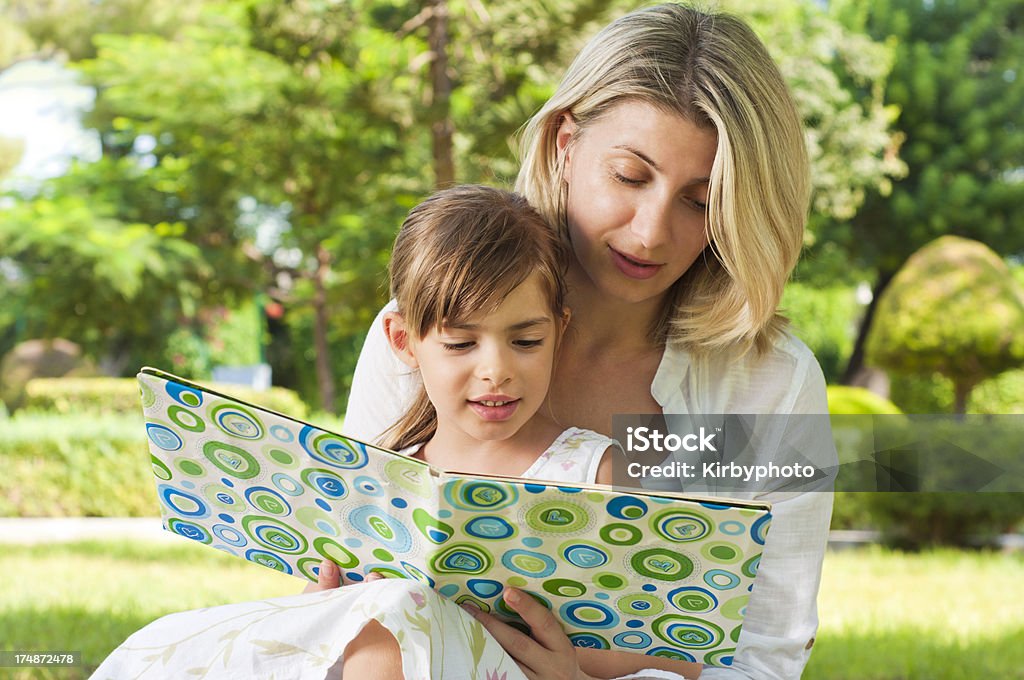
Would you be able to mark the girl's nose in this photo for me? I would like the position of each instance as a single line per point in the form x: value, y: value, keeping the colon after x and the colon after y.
x: 494, y: 367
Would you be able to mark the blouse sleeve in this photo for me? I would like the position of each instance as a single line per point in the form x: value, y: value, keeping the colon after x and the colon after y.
x: 382, y: 386
x: 782, y: 616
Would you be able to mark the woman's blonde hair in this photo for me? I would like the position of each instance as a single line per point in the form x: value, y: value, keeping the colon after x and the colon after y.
x: 714, y: 72
x: 460, y: 252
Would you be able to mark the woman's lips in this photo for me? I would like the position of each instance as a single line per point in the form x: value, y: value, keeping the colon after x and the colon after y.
x: 495, y: 413
x: 633, y: 268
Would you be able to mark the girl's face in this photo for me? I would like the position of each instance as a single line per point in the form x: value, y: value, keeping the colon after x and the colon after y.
x: 488, y: 376
x: 637, y: 196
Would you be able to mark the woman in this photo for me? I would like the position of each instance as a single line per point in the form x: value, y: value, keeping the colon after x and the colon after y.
x: 672, y: 159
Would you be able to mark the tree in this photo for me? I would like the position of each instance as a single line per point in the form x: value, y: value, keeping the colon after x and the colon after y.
x: 955, y: 309
x: 956, y: 80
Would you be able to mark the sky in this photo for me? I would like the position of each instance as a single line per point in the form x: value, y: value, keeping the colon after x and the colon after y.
x: 41, y: 103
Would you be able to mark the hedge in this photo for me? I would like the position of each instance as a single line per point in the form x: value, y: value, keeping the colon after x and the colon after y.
x: 101, y: 396
x: 68, y: 466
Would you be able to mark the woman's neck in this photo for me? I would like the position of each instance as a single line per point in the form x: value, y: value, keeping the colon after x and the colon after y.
x: 606, y: 325
x: 451, y: 448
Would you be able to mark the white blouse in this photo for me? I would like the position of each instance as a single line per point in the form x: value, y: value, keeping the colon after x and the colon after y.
x: 781, y: 618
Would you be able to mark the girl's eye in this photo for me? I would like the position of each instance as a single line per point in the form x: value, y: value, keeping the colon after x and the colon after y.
x: 457, y: 346
x: 528, y: 343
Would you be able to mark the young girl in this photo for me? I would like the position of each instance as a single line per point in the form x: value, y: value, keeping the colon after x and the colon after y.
x: 477, y: 277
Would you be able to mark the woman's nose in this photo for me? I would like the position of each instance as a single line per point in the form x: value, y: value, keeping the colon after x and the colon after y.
x: 652, y: 222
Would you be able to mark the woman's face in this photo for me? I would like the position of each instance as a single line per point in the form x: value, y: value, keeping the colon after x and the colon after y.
x: 637, y: 196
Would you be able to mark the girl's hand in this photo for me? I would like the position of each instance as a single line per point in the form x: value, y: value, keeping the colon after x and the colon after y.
x: 330, y: 577
x: 548, y: 654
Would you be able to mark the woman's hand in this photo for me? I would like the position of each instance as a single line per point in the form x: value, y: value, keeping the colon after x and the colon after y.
x: 329, y: 577
x: 548, y: 654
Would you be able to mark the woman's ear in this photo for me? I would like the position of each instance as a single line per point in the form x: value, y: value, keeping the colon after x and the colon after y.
x: 397, y: 333
x: 566, y: 130
x: 566, y: 316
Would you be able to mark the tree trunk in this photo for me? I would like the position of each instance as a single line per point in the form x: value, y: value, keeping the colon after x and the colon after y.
x: 441, y: 126
x: 961, y: 392
x: 855, y: 367
x: 324, y: 376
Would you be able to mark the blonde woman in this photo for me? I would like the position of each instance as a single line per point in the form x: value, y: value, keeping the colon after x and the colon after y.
x: 672, y: 160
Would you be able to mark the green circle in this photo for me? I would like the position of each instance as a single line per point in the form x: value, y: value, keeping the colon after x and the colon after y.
x: 282, y: 457
x: 190, y: 467
x: 749, y: 567
x: 383, y: 555
x: 640, y: 604
x: 185, y: 419
x: 516, y: 581
x: 557, y: 517
x: 618, y: 533
x: 268, y: 502
x: 721, y: 552
x: 734, y: 609
x: 699, y: 634
x: 277, y: 535
x: 333, y: 551
x: 693, y: 601
x: 681, y: 526
x: 231, y: 459
x: 211, y: 491
x: 160, y: 468
x: 147, y: 394
x: 564, y: 587
x: 735, y: 634
x: 633, y: 512
x: 610, y: 581
x: 595, y: 497
x: 311, y: 516
x: 661, y: 564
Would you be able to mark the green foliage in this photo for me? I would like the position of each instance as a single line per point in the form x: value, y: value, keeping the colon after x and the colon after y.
x: 823, y: 317
x: 75, y: 466
x: 953, y: 309
x: 956, y: 82
x: 101, y: 396
x: 843, y: 399
x: 919, y: 520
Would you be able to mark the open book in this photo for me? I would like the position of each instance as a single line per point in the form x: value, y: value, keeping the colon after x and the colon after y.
x: 654, y: 573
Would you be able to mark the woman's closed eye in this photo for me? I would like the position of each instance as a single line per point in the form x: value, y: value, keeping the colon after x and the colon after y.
x: 528, y: 343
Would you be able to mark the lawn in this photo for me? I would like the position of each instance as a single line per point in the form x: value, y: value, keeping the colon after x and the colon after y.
x: 937, y: 616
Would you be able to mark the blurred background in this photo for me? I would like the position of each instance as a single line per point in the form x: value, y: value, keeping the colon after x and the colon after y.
x: 213, y: 188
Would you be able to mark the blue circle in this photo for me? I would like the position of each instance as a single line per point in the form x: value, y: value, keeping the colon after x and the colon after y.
x: 168, y: 493
x: 368, y: 486
x: 163, y: 437
x: 323, y: 505
x: 649, y: 587
x: 759, y: 529
x: 353, y: 543
x: 449, y: 590
x: 633, y: 640
x: 354, y: 576
x: 229, y: 535
x: 282, y: 433
x: 287, y: 484
x: 732, y: 528
x: 588, y: 640
x: 489, y: 527
x: 485, y: 588
x: 617, y: 506
x: 176, y: 390
x: 398, y: 503
x: 534, y: 488
x: 227, y: 482
x: 734, y: 580
x: 634, y: 623
x: 569, y: 609
x: 363, y: 519
x: 187, y: 484
x: 226, y: 517
x: 533, y: 542
x: 444, y: 514
x: 602, y: 596
x: 547, y: 570
x: 585, y: 556
x: 569, y: 489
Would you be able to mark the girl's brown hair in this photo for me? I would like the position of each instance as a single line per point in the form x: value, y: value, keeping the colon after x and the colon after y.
x: 461, y: 252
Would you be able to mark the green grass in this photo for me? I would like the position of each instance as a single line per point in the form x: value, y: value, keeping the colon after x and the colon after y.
x: 940, y: 615
x: 884, y: 616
